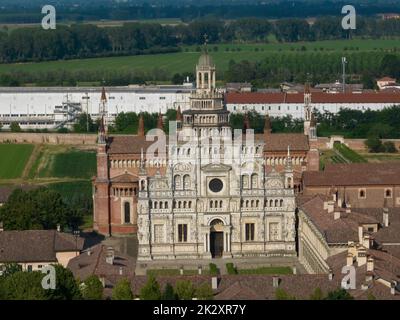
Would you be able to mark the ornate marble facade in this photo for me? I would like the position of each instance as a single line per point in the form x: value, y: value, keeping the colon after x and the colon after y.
x: 217, y: 196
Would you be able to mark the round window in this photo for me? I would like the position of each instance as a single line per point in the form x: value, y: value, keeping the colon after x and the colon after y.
x: 215, y: 185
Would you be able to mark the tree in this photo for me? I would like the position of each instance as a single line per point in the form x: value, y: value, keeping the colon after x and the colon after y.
x: 317, y: 294
x: 389, y: 147
x: 122, y: 290
x: 281, y: 294
x: 151, y: 290
x: 169, y: 293
x: 67, y: 287
x: 40, y: 208
x: 339, y: 294
x: 23, y: 286
x: 184, y: 290
x: 14, y: 127
x: 10, y: 268
x: 374, y: 145
x: 204, y: 292
x: 85, y: 124
x: 92, y: 288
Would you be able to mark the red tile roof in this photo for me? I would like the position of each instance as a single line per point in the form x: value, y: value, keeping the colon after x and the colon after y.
x: 354, y: 174
x: 316, y: 97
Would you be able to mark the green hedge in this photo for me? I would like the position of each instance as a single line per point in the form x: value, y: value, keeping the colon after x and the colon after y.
x: 214, y: 269
x: 231, y: 268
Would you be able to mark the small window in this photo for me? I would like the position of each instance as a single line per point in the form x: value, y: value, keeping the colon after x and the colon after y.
x: 249, y: 231
x: 388, y: 193
x: 29, y: 268
x: 182, y: 232
x: 370, y: 229
x: 127, y: 212
x: 362, y: 194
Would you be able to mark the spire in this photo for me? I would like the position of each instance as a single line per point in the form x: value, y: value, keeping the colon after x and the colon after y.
x: 246, y: 122
x: 102, y: 131
x: 307, y: 88
x: 179, y: 114
x: 288, y: 158
x: 267, y: 125
x: 141, y: 126
x: 103, y: 95
x: 160, y: 124
x: 313, y: 122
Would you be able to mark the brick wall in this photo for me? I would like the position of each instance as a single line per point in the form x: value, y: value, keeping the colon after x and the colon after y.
x: 48, y: 138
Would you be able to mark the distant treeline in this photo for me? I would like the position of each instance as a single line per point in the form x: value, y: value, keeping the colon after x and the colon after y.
x: 83, y: 40
x: 127, y: 10
x: 314, y: 66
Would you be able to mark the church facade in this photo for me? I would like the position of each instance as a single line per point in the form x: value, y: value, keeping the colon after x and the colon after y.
x: 206, y: 190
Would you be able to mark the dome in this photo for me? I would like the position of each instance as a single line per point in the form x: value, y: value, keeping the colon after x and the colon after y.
x: 205, y: 60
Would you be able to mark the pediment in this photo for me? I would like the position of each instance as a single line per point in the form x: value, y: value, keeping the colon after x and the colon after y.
x: 216, y: 167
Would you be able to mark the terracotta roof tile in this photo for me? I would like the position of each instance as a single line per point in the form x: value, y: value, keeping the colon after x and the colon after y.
x: 354, y: 174
x: 316, y: 97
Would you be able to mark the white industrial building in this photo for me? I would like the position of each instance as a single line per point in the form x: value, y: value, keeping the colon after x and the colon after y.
x: 282, y: 104
x: 54, y: 107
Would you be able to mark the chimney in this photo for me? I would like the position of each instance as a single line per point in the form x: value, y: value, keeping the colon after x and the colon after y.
x: 349, y: 259
x: 275, y: 282
x: 370, y: 264
x: 348, y: 208
x: 58, y: 228
x: 181, y: 270
x: 89, y: 253
x: 294, y: 270
x: 366, y: 241
x: 386, y: 217
x: 330, y: 206
x: 361, y: 257
x: 360, y: 234
x: 214, y: 283
x: 330, y: 275
x: 103, y: 281
x: 336, y: 215
x: 1, y: 226
x: 120, y: 271
x: 110, y: 255
x: 393, y: 288
x: 199, y: 269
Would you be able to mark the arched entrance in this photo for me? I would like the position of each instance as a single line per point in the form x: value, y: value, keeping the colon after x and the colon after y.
x: 216, y: 238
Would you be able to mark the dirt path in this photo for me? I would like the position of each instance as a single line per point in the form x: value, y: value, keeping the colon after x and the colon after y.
x: 36, y: 151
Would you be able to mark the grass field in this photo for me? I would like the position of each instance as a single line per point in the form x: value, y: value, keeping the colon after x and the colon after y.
x: 13, y: 158
x: 72, y: 164
x: 184, y: 61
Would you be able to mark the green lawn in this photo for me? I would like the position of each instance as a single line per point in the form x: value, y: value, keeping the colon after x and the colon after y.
x: 267, y: 270
x: 185, y: 60
x: 13, y: 158
x: 73, y: 164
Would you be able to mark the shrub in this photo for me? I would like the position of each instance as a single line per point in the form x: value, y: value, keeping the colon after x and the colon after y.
x: 317, y: 294
x: 281, y: 294
x: 122, y: 290
x: 389, y: 147
x: 92, y: 288
x: 213, y: 269
x: 339, y: 294
x: 14, y: 127
x: 374, y: 145
x: 204, y: 292
x: 231, y: 268
x: 169, y: 293
x: 151, y: 290
x: 184, y: 290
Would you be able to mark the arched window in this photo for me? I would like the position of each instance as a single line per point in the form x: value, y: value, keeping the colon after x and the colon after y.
x: 254, y: 180
x: 245, y: 181
x: 276, y: 202
x: 186, y: 182
x: 177, y: 181
x: 281, y: 203
x: 127, y: 212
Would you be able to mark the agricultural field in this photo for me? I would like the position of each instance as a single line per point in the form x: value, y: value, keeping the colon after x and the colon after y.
x: 67, y: 170
x: 71, y: 164
x: 185, y: 60
x: 13, y: 159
